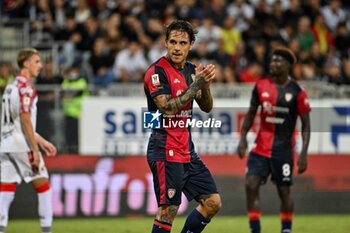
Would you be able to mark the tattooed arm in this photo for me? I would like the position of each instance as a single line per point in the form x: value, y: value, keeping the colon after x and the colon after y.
x: 171, y: 106
x: 205, y: 100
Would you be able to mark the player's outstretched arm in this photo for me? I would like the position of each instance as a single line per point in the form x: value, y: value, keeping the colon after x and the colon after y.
x: 48, y: 147
x: 171, y: 106
x: 305, y: 134
x: 247, y: 124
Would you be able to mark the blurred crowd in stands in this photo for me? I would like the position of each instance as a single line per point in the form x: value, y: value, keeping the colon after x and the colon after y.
x: 114, y: 41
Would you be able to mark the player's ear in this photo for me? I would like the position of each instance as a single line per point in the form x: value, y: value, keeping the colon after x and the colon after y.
x: 191, y: 45
x: 25, y: 63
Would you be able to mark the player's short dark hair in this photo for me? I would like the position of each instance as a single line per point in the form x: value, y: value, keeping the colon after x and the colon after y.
x: 286, y: 54
x: 24, y: 55
x: 183, y: 26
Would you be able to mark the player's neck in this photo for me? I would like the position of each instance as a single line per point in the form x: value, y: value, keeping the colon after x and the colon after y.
x: 25, y: 73
x: 281, y: 80
x: 177, y: 66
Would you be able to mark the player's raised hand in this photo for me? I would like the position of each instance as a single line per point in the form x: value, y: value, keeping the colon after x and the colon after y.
x: 242, y: 147
x: 207, y: 72
x: 302, y: 163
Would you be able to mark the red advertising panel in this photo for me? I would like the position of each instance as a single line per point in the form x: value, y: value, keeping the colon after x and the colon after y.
x: 119, y: 186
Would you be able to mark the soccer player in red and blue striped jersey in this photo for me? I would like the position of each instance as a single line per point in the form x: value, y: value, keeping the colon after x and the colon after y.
x: 171, y: 84
x: 281, y: 100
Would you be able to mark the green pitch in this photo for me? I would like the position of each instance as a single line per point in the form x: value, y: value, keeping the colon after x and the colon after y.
x: 234, y: 224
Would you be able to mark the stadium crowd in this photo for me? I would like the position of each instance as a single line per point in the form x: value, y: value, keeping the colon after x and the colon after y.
x: 116, y: 40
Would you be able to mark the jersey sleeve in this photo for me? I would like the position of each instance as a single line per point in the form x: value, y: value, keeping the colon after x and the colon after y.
x: 303, y: 105
x: 26, y: 97
x: 156, y: 82
x: 254, y: 101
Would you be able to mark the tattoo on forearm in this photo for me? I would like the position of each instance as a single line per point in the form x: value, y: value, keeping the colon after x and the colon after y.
x: 205, y: 101
x: 173, y: 105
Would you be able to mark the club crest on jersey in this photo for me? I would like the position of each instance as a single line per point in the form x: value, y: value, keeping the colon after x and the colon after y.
x: 155, y: 80
x: 265, y: 94
x: 288, y: 96
x: 171, y: 192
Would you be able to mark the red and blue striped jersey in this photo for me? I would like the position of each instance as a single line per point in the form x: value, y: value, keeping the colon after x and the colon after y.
x: 172, y: 143
x: 280, y: 108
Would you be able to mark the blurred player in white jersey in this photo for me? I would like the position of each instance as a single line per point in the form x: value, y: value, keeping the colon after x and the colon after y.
x: 20, y: 158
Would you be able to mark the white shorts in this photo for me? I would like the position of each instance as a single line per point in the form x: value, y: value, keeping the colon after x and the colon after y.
x: 16, y: 167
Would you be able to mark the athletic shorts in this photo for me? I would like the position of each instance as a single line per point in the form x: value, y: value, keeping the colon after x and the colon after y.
x: 170, y: 179
x: 16, y: 167
x: 280, y: 169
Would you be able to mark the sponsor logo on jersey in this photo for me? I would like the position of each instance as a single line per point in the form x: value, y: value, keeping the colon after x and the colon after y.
x: 265, y: 94
x: 155, y: 80
x: 176, y: 80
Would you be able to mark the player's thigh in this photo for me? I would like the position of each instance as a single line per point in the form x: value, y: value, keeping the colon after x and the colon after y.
x: 22, y: 162
x: 282, y: 171
x: 258, y: 169
x: 8, y: 170
x: 167, y: 181
x: 198, y: 180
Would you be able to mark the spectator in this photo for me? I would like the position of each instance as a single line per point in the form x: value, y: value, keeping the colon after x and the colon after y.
x: 71, y: 36
x: 311, y: 8
x: 6, y: 75
x: 251, y: 74
x: 224, y: 66
x: 342, y: 40
x: 230, y: 35
x: 187, y: 10
x: 133, y: 31
x: 130, y: 63
x: 154, y: 28
x: 318, y: 60
x: 277, y: 14
x: 242, y: 12
x: 259, y: 55
x: 333, y: 14
x: 101, y: 62
x: 333, y: 71
x: 323, y: 36
x: 59, y: 15
x: 216, y: 10
x: 209, y: 33
x: 82, y: 12
x: 46, y: 102
x: 286, y: 33
x: 293, y: 13
x: 262, y: 12
x: 304, y: 34
x: 101, y: 11
x: 157, y: 50
x: 346, y: 71
x: 74, y: 88
x: 112, y: 34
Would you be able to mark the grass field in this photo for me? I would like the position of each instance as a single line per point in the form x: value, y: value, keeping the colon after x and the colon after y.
x: 236, y: 224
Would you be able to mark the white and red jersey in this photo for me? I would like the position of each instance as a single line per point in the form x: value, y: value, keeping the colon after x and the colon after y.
x: 19, y: 97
